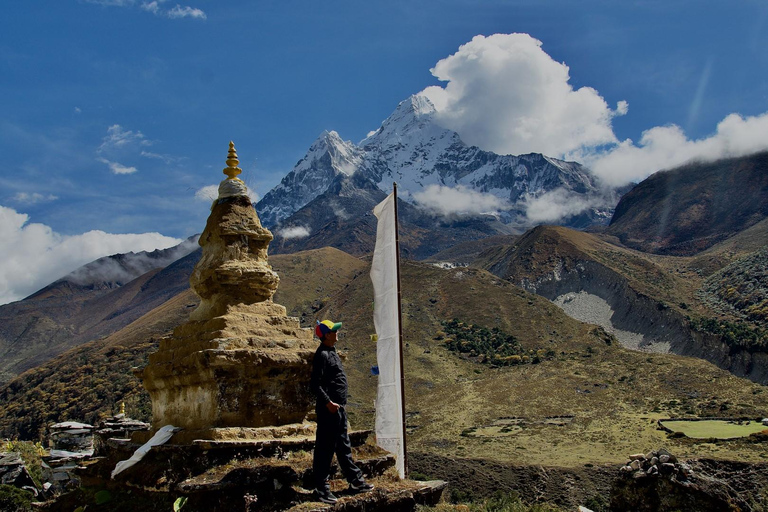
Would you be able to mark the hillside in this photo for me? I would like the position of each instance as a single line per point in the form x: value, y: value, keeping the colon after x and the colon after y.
x: 651, y: 297
x: 88, y: 381
x: 67, y: 314
x: 688, y: 209
x: 584, y: 399
x: 741, y: 288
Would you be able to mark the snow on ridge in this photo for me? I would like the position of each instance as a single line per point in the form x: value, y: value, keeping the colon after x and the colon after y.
x: 410, y: 148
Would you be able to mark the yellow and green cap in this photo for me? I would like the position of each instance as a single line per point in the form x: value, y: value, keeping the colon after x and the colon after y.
x: 325, y: 327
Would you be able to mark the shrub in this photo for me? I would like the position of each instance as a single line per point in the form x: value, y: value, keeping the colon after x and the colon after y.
x: 31, y: 453
x: 13, y: 499
x: 491, y: 346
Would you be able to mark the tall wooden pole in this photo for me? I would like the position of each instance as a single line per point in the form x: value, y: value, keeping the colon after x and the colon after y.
x: 400, y: 328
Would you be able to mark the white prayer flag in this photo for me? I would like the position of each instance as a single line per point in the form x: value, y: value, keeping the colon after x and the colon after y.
x: 386, y: 319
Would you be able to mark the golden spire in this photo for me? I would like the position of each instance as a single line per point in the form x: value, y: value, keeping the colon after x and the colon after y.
x: 232, y: 170
x: 122, y: 408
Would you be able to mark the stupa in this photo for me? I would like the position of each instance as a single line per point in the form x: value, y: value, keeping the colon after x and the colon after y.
x: 235, y: 379
x: 239, y: 363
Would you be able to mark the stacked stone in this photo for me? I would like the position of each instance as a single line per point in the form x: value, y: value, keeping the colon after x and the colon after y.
x: 118, y: 426
x: 71, y: 438
x: 659, y: 463
x: 14, y: 472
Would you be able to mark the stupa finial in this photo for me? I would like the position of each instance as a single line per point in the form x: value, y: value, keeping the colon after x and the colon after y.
x: 232, y: 170
x: 122, y: 408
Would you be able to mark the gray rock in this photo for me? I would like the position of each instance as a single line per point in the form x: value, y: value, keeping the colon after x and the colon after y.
x: 635, y: 465
x: 664, y: 459
x: 637, y: 456
x: 667, y: 469
x: 654, y: 461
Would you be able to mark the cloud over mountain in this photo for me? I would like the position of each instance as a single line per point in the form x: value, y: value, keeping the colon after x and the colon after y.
x: 459, y: 199
x: 665, y: 147
x: 34, y: 255
x: 504, y: 94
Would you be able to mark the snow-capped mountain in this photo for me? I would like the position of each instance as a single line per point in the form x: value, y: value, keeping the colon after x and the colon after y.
x: 410, y: 148
x: 327, y: 157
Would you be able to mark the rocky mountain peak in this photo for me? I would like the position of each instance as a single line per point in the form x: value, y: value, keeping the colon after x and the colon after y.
x: 412, y: 149
x: 330, y: 151
x: 412, y: 117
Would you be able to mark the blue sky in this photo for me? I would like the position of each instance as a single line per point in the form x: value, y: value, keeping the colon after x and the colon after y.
x: 114, y: 113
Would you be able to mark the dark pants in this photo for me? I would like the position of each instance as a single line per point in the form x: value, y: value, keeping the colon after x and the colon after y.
x: 332, y: 437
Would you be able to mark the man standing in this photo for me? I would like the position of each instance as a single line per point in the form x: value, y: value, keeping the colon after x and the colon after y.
x: 329, y: 384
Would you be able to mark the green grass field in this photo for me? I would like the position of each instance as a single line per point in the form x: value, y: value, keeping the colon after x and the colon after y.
x: 714, y: 429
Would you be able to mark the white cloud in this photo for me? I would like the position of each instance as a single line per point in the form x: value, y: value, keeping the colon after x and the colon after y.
x: 118, y: 168
x: 113, y: 3
x: 557, y: 204
x: 207, y: 193
x: 505, y: 94
x: 34, y: 256
x: 152, y: 7
x: 33, y: 198
x: 210, y: 192
x: 186, y: 12
x: 119, y: 139
x: 156, y: 7
x: 294, y: 232
x: 460, y: 199
x: 167, y: 159
x: 664, y: 147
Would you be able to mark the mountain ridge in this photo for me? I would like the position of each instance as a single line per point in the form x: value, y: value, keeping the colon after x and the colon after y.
x: 685, y: 210
x: 410, y: 148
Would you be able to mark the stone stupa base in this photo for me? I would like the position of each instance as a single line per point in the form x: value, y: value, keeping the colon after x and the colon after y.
x: 248, y: 367
x: 244, y: 474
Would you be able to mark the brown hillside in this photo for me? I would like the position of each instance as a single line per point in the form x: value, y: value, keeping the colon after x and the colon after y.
x: 88, y: 381
x: 658, y: 297
x: 686, y: 210
x: 466, y: 252
x: 65, y: 315
x: 591, y: 401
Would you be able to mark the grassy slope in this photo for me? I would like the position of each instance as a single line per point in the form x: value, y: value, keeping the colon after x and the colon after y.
x: 89, y: 381
x: 613, y: 395
x: 672, y: 280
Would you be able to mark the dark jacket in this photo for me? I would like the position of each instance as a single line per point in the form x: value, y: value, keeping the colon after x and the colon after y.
x: 329, y: 382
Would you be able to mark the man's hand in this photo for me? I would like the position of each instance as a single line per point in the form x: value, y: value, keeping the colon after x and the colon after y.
x: 332, y: 407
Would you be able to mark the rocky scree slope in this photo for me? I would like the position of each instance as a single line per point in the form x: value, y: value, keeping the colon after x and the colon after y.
x: 645, y: 298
